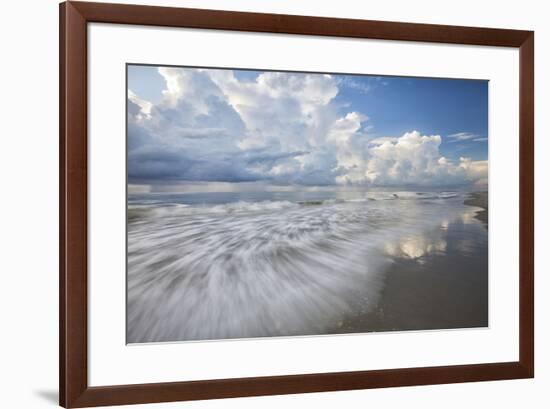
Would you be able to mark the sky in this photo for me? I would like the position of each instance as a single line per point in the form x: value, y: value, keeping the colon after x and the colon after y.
x: 211, y: 126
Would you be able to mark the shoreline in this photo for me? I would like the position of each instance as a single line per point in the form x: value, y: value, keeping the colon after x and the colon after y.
x: 480, y: 199
x: 434, y: 278
x: 440, y: 290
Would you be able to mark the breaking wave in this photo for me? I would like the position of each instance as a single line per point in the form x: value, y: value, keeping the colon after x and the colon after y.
x: 266, y: 268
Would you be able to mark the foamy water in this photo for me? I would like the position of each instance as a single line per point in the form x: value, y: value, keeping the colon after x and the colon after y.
x: 283, y: 267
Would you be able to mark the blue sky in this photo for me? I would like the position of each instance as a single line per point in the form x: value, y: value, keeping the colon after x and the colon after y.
x: 190, y: 125
x: 433, y: 106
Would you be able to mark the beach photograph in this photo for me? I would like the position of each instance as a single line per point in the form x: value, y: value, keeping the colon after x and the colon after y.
x: 267, y: 203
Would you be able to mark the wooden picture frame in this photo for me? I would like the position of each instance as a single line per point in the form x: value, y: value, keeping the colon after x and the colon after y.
x: 73, y: 230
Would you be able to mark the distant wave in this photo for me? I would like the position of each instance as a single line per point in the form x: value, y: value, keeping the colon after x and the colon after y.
x: 410, y: 195
x: 272, y: 205
x: 248, y: 269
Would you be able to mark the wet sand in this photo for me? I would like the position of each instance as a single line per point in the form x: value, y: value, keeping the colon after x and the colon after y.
x: 441, y: 290
x: 432, y: 276
x: 480, y: 199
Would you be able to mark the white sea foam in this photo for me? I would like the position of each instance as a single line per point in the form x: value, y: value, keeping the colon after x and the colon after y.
x: 268, y: 268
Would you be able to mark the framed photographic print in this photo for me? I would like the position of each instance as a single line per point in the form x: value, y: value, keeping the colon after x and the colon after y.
x: 255, y: 204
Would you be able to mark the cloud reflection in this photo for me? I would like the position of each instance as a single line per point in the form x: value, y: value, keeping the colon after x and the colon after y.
x: 417, y: 246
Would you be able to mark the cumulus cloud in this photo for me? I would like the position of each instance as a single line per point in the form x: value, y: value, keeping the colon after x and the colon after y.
x: 414, y: 159
x: 280, y: 128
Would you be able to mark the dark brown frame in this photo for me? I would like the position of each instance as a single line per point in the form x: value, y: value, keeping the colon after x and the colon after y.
x: 73, y: 352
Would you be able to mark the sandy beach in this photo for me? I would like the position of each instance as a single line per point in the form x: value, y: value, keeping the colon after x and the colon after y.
x: 390, y: 261
x: 480, y: 199
x: 443, y: 290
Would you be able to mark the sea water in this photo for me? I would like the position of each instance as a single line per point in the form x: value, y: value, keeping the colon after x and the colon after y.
x: 260, y: 264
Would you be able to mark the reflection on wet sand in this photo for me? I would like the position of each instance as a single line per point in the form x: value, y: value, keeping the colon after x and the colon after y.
x: 434, y: 241
x: 437, y: 280
x: 416, y: 247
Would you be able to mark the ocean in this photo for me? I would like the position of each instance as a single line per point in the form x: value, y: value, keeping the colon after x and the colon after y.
x: 205, y: 266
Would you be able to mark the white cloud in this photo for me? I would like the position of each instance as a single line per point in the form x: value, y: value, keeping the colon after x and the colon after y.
x: 281, y: 128
x: 475, y: 170
x: 383, y: 139
x: 144, y: 106
x: 462, y: 136
x: 466, y: 136
x: 364, y: 86
x: 414, y: 159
